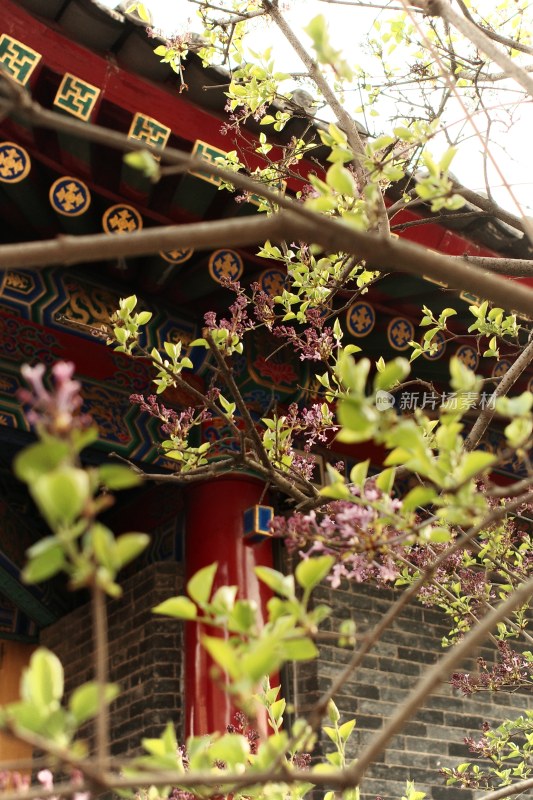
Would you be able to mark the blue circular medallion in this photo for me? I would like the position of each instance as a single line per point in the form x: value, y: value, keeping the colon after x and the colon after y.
x: 177, y: 256
x: 400, y: 332
x: 15, y: 162
x: 360, y: 319
x: 69, y: 196
x: 272, y: 282
x: 468, y: 356
x: 225, y: 265
x: 500, y: 368
x: 439, y: 343
x: 121, y: 218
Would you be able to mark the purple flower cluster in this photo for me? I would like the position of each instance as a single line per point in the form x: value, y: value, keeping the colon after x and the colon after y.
x: 176, y: 424
x: 21, y: 782
x: 363, y: 549
x: 239, y: 322
x: 512, y: 671
x: 313, y: 344
x: 56, y: 411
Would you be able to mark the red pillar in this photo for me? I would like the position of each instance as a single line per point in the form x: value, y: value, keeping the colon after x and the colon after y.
x: 214, y: 532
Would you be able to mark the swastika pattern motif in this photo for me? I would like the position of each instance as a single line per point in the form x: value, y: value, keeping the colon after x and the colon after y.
x: 70, y: 196
x: 122, y: 219
x: 208, y: 153
x: 225, y: 264
x: 77, y: 97
x: 360, y: 319
x: 149, y: 130
x: 17, y: 59
x: 15, y: 162
x: 400, y: 332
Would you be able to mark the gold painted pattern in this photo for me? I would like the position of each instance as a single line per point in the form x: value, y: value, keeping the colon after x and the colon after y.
x: 17, y: 58
x: 121, y: 219
x: 207, y: 152
x: 15, y: 162
x: 149, y: 130
x: 77, y: 97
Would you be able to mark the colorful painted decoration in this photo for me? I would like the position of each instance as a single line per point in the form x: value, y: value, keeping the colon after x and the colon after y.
x: 69, y: 196
x: 149, y: 130
x: 121, y: 218
x: 500, y: 368
x: 209, y: 153
x: 15, y: 162
x: 17, y: 58
x: 256, y: 523
x: 177, y: 256
x: 360, y: 319
x: 272, y: 282
x: 76, y: 97
x: 440, y: 340
x: 468, y: 356
x: 225, y: 264
x: 400, y: 332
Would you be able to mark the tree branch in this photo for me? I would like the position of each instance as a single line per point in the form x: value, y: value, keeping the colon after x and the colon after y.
x: 478, y: 37
x: 437, y: 674
x: 344, y: 119
x: 509, y: 379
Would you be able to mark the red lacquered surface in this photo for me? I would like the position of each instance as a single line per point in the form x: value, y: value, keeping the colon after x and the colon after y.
x: 214, y: 526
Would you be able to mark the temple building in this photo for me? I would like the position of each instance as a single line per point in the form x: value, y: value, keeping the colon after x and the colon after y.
x: 97, y: 66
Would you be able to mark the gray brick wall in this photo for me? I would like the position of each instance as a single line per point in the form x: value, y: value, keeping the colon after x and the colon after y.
x: 145, y: 655
x: 434, y: 737
x: 146, y: 659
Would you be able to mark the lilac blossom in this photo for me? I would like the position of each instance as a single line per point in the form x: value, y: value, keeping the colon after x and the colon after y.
x: 352, y: 532
x: 57, y: 411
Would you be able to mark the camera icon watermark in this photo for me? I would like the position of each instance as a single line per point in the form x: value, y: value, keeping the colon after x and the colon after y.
x: 384, y: 400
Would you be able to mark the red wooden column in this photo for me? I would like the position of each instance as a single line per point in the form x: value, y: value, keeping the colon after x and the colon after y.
x: 214, y: 532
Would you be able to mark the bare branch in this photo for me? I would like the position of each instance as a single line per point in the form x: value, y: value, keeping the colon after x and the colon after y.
x: 509, y: 379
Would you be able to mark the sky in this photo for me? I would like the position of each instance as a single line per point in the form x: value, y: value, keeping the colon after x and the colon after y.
x: 512, y: 149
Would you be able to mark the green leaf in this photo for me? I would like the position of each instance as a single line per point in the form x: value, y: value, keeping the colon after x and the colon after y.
x: 128, y: 546
x: 340, y: 179
x: 345, y: 730
x: 85, y: 700
x: 310, y: 572
x: 43, y: 681
x: 474, y: 463
x: 222, y: 654
x: 385, y: 480
x: 39, y: 459
x: 61, y: 495
x: 359, y: 472
x: 264, y: 658
x: 418, y: 497
x: 358, y: 419
x: 116, y: 477
x: 232, y: 748
x: 277, y: 581
x: 200, y: 585
x: 392, y: 373
x: 45, y: 563
x: 178, y: 607
x: 103, y: 543
x: 299, y: 650
x: 145, y: 163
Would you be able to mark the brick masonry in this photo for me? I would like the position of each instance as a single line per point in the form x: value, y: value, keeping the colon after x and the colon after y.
x: 434, y: 737
x: 145, y: 656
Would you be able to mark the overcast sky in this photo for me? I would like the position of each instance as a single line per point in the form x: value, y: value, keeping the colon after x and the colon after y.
x: 513, y: 149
